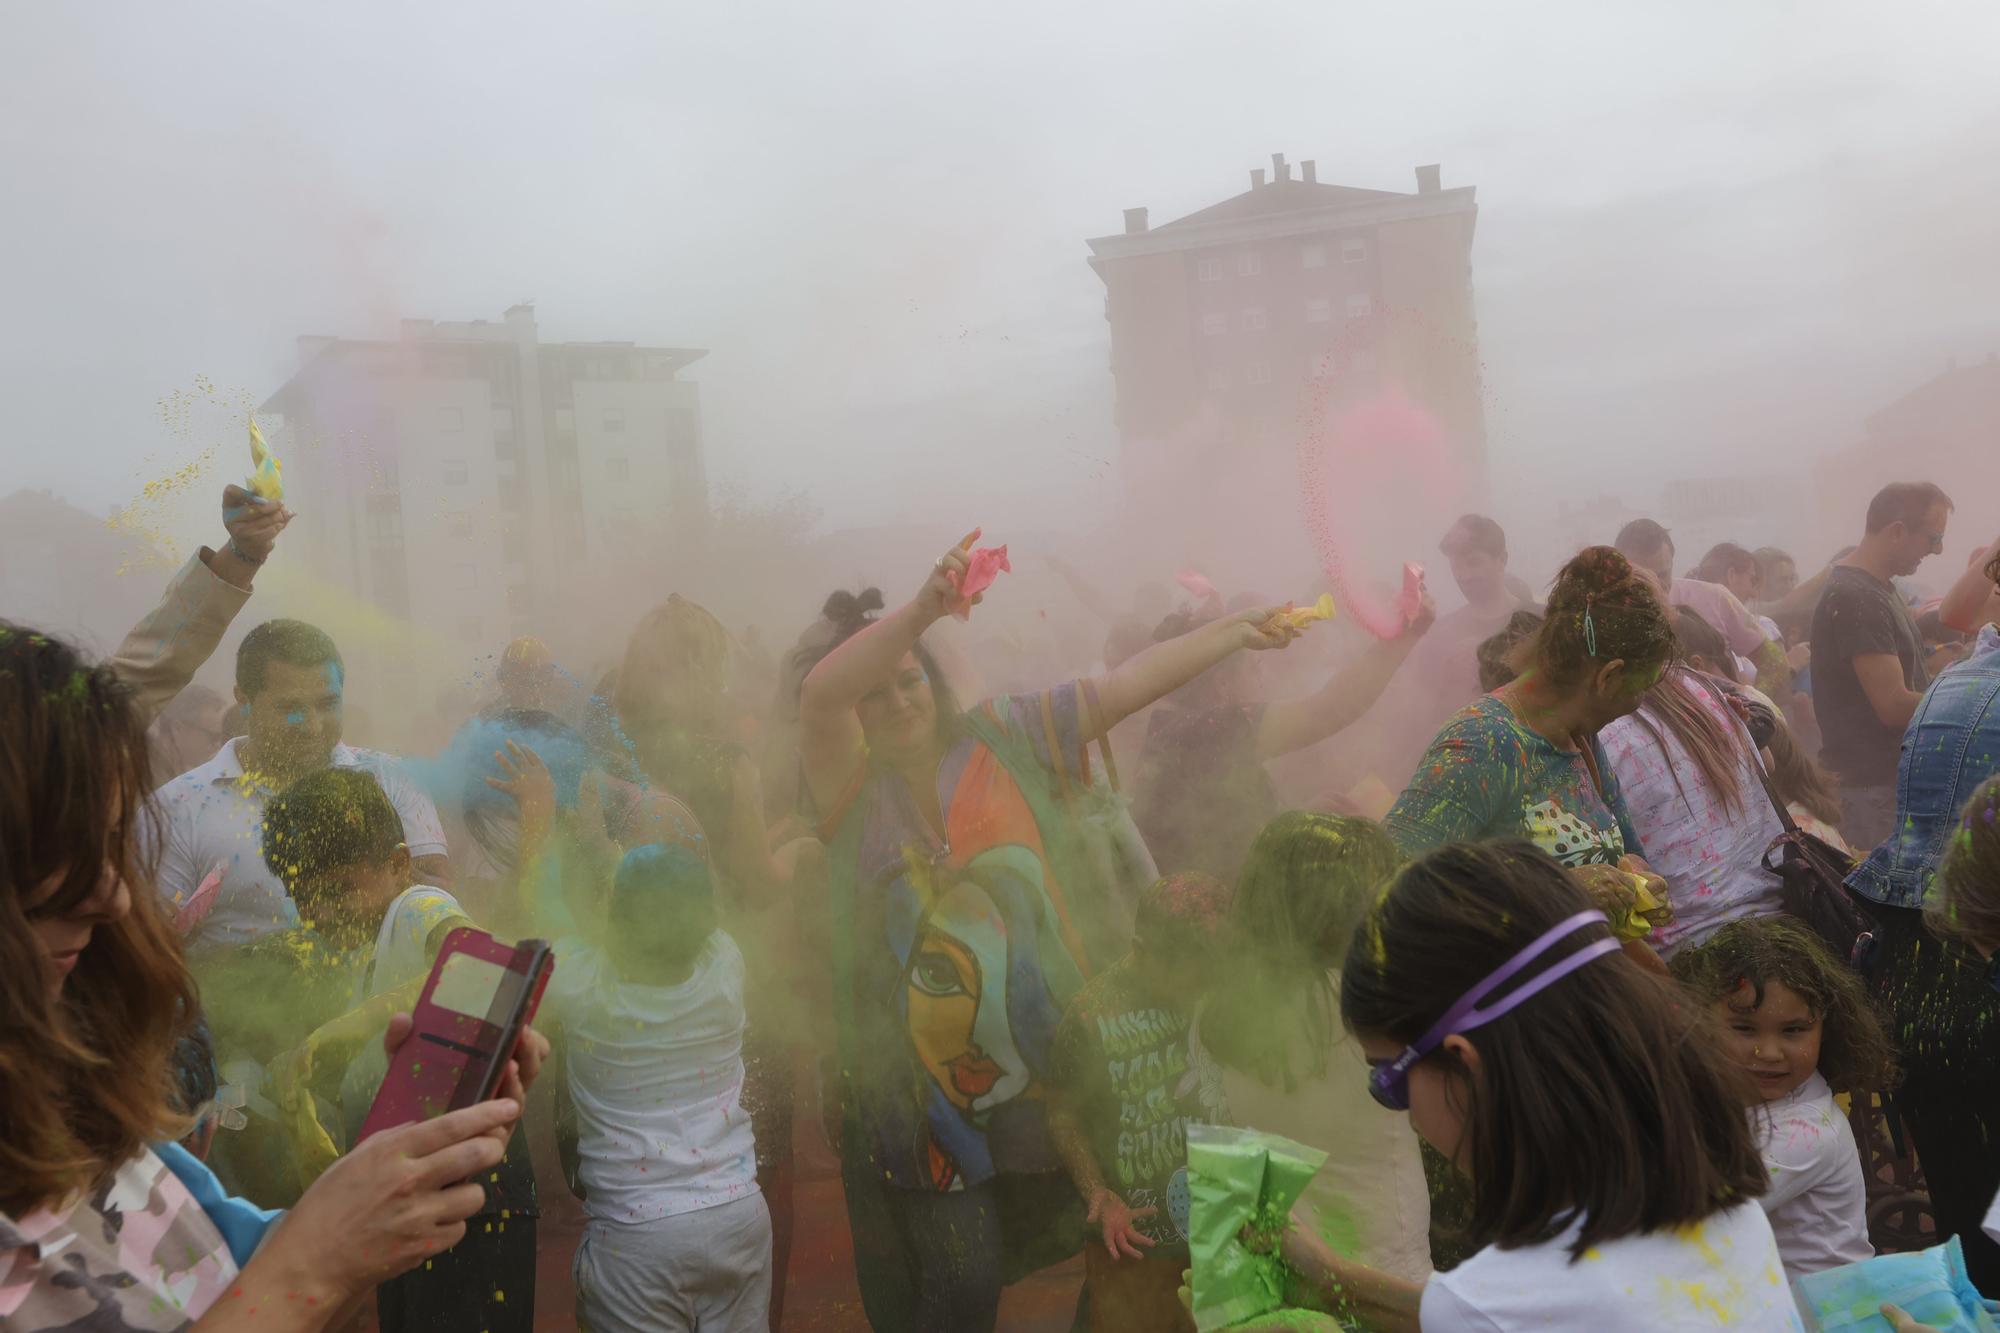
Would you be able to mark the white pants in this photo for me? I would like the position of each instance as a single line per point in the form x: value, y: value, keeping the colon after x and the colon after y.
x: 708, y: 1271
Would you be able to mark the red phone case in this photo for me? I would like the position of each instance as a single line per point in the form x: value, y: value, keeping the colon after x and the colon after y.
x: 465, y: 1035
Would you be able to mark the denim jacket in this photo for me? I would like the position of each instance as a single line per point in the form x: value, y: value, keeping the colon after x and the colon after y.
x: 1952, y: 746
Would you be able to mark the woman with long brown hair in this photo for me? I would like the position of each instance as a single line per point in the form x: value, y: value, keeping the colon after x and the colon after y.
x: 1686, y: 766
x: 104, y: 1220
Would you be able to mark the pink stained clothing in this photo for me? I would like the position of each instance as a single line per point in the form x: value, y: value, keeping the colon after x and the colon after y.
x: 1723, y: 611
x: 1712, y: 859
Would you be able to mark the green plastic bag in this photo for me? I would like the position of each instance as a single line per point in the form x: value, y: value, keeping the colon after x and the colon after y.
x: 1239, y: 1178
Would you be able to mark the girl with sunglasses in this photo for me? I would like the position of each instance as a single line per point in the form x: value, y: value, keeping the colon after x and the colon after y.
x: 1614, y: 1176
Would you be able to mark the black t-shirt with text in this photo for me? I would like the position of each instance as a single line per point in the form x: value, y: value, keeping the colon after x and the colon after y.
x: 1858, y: 615
x: 1122, y: 1063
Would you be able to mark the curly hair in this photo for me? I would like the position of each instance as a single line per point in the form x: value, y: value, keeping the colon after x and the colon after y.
x: 1307, y: 883
x: 1854, y: 1051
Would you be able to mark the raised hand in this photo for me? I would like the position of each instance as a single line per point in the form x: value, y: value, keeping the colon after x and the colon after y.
x: 253, y: 524
x: 526, y: 778
x: 939, y: 594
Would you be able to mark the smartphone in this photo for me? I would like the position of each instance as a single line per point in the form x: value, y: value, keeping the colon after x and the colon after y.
x: 480, y: 997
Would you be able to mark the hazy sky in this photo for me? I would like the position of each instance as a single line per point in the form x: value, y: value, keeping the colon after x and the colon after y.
x: 1702, y: 225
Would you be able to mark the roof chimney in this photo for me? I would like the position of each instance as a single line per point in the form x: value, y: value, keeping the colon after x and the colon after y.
x: 1309, y: 172
x: 1257, y: 178
x: 1427, y: 178
x: 1279, y: 170
x: 1135, y: 221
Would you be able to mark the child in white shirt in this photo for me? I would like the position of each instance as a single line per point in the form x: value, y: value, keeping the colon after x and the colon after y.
x: 1799, y: 1024
x: 650, y: 1021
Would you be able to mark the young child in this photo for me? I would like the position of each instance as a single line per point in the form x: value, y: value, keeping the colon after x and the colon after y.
x: 649, y: 1014
x: 1799, y: 1024
x: 1272, y: 1041
x: 1614, y: 1175
x: 1121, y: 1101
x: 336, y: 841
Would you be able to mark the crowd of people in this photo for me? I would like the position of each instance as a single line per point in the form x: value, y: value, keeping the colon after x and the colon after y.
x: 1670, y: 883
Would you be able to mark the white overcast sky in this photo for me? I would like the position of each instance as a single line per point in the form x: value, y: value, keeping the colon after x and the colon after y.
x: 1703, y: 226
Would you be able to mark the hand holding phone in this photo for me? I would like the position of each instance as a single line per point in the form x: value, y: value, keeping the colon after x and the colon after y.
x: 476, y: 1004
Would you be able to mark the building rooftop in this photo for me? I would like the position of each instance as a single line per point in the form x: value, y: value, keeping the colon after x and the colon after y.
x: 1280, y: 205
x: 317, y: 351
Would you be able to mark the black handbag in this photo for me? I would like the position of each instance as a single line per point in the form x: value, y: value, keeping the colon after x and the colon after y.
x: 1813, y: 875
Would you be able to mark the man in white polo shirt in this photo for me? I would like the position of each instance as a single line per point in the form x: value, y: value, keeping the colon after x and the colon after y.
x: 290, y: 681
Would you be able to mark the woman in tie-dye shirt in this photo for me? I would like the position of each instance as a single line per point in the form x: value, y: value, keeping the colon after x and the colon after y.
x: 1524, y: 761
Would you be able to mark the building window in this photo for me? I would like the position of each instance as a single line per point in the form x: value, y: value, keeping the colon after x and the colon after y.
x: 614, y: 421
x: 1218, y: 378
x: 1255, y: 319
x: 1214, y: 324
x: 1319, y: 310
x: 450, y: 419
x: 1360, y: 306
x: 456, y: 473
x: 1353, y: 250
x: 1259, y: 373
x: 618, y: 469
x: 385, y: 525
x: 1312, y: 256
x: 1208, y: 270
x: 1249, y: 264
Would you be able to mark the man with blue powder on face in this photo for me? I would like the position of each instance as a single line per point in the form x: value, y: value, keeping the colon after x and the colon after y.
x: 290, y: 684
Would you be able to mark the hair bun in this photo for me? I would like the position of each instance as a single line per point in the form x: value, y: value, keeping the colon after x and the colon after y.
x: 847, y: 610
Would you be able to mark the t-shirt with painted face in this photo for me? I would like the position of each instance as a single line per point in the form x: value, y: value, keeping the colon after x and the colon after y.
x: 1489, y: 775
x: 1722, y: 1272
x: 1120, y: 1060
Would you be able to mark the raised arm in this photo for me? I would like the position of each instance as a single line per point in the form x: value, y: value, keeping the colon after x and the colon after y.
x: 1165, y: 667
x: 829, y: 731
x: 1293, y: 724
x: 164, y: 650
x: 761, y: 872
x: 1974, y: 600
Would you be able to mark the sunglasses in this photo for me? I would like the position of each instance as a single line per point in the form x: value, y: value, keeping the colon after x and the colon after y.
x: 1389, y: 1080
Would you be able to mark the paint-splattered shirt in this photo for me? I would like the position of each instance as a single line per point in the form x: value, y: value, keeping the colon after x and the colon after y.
x: 1121, y: 1063
x: 1722, y: 1272
x: 1711, y: 856
x: 1489, y: 775
x: 1818, y: 1200
x: 656, y: 1073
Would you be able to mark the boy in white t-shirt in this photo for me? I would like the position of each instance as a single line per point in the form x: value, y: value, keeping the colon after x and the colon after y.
x: 650, y: 1022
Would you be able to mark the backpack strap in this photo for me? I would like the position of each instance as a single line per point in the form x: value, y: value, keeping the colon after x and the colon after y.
x: 1102, y: 732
